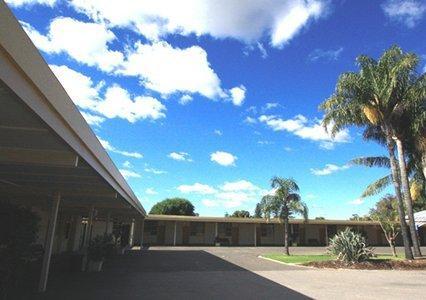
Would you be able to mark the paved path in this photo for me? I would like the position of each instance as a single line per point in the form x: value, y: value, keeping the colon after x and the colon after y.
x: 229, y: 273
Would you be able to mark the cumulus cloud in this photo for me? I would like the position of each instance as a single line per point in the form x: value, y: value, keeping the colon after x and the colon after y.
x: 303, y: 128
x: 92, y: 119
x: 196, y: 188
x: 85, y: 42
x: 129, y: 174
x: 247, y: 21
x: 238, y: 94
x: 180, y: 156
x: 329, y: 169
x: 218, y: 132
x: 250, y: 120
x: 159, y: 66
x: 168, y: 70
x: 18, y: 3
x: 407, y: 12
x: 325, y: 55
x: 185, y: 99
x: 223, y: 158
x: 233, y: 194
x: 107, y: 145
x: 116, y: 102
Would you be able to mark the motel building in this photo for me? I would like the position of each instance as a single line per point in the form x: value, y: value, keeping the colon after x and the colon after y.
x: 52, y: 162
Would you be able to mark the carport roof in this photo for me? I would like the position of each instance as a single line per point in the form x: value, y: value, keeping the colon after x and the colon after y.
x: 45, y: 143
x: 253, y: 220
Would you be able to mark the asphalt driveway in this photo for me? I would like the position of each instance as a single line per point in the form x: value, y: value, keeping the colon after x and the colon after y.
x: 228, y: 273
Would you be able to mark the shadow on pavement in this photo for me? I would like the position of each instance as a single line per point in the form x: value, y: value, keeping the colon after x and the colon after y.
x: 164, y: 275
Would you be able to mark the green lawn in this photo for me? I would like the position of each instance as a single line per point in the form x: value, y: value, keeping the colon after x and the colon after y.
x: 301, y: 259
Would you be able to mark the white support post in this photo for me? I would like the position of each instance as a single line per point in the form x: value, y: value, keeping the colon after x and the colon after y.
x: 142, y: 228
x: 174, y: 234
x: 49, y: 242
x: 215, y: 230
x: 132, y: 231
x: 255, y: 235
x: 88, y: 235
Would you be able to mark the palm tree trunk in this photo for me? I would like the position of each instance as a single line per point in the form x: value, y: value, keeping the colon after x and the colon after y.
x: 407, y: 197
x: 287, y: 252
x: 395, y: 179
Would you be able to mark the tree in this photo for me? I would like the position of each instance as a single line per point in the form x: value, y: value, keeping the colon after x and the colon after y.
x: 386, y: 214
x: 319, y: 218
x: 258, y: 211
x: 173, y: 206
x: 240, y: 214
x: 375, y: 97
x: 284, y: 203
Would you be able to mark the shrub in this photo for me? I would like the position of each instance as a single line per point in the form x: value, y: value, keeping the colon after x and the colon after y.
x: 101, y: 247
x: 350, y: 247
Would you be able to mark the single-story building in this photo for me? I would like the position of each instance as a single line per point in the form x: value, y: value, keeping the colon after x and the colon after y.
x: 195, y: 230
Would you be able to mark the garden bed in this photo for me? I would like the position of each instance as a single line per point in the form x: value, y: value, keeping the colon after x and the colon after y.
x: 380, y: 262
x: 372, y: 264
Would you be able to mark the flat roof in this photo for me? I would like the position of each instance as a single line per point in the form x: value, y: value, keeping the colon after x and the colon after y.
x: 151, y: 217
x: 24, y: 72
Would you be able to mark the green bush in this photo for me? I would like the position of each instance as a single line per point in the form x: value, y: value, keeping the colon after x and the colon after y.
x: 350, y: 247
x: 101, y: 247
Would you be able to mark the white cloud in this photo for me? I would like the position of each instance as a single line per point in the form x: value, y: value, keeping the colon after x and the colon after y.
x: 238, y: 94
x: 111, y: 148
x: 329, y: 169
x: 127, y: 164
x: 180, y: 156
x: 358, y: 201
x: 168, y: 70
x: 151, y: 191
x: 154, y: 171
x: 250, y: 120
x: 325, y: 55
x: 85, y: 42
x: 408, y: 12
x: 270, y: 105
x: 298, y: 14
x: 116, y: 103
x: 196, y: 188
x: 311, y: 196
x: 17, y: 3
x: 218, y: 132
x: 247, y: 21
x: 223, y: 158
x: 129, y: 174
x: 301, y: 127
x: 288, y: 149
x: 92, y: 119
x: 185, y: 99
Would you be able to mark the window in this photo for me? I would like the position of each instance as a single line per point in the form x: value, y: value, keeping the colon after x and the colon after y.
x: 225, y: 229
x: 196, y: 228
x: 267, y: 230
x: 151, y: 227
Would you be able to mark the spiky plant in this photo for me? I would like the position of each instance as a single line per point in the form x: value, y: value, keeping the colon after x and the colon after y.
x: 350, y: 247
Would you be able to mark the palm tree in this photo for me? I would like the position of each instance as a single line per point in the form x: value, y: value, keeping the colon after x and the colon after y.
x: 285, y: 202
x: 373, y: 97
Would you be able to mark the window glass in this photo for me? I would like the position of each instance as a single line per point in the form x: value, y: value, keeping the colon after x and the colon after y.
x: 196, y: 228
x: 225, y: 229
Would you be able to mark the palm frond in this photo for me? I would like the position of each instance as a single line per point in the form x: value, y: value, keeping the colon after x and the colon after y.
x: 377, y: 186
x: 373, y: 161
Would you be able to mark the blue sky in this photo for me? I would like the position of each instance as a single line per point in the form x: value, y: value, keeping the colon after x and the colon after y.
x: 208, y: 100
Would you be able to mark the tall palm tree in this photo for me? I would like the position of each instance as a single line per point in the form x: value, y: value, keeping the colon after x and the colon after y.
x: 284, y: 203
x: 372, y: 98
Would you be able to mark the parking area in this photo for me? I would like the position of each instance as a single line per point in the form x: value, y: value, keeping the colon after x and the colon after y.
x: 228, y: 273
